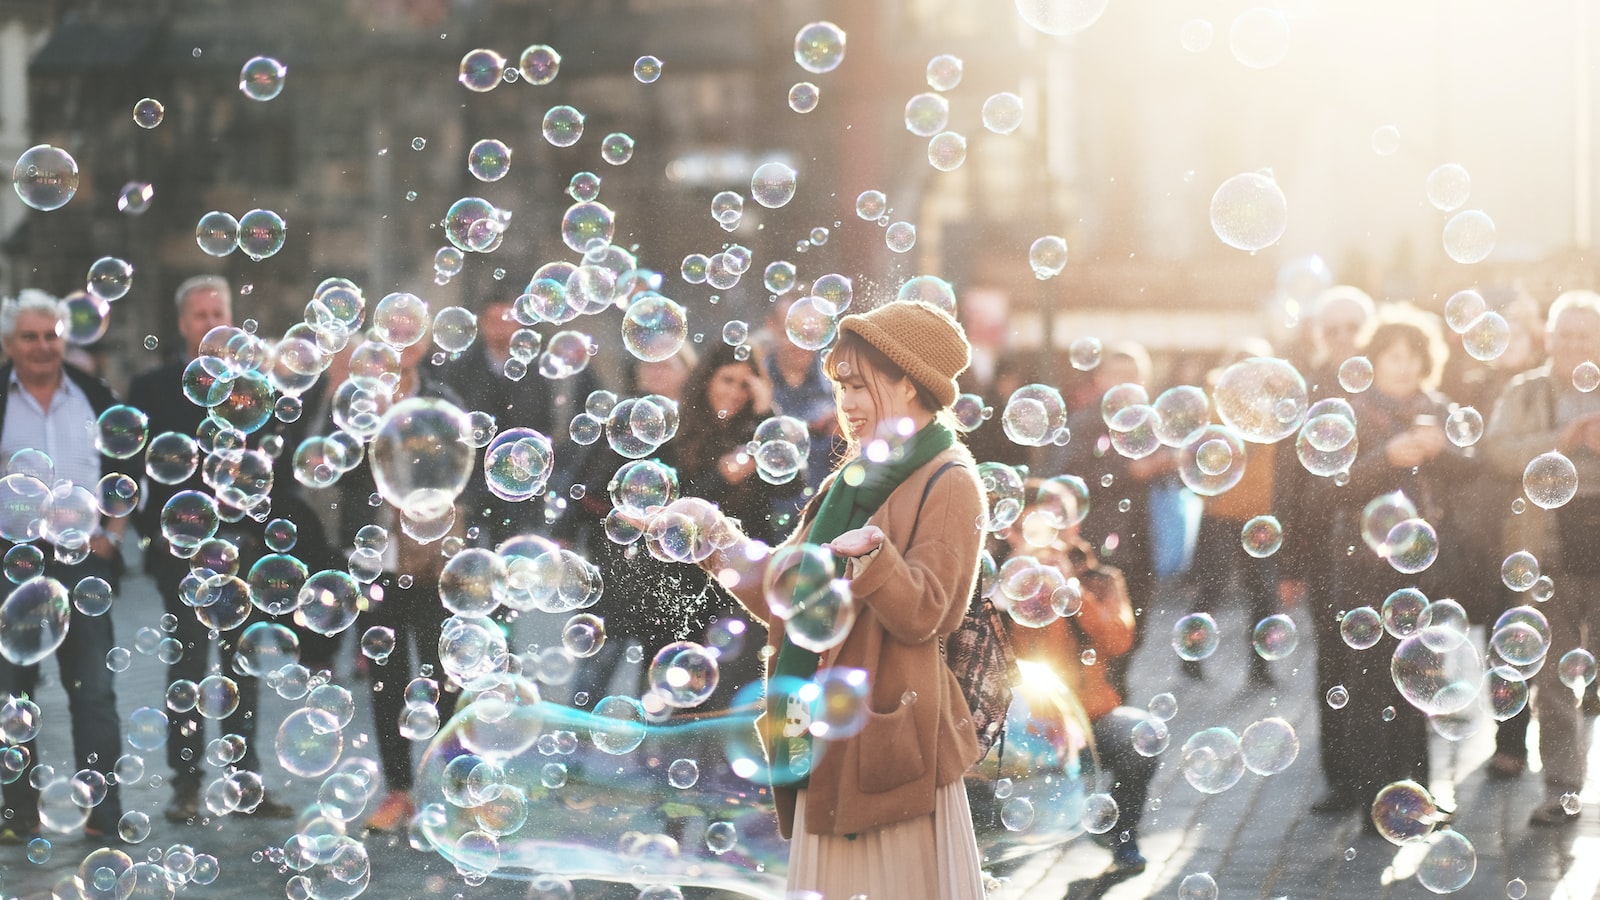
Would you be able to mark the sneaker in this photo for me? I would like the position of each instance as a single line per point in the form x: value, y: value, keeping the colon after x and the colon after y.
x: 1127, y: 859
x: 269, y: 808
x: 393, y: 814
x: 185, y: 805
x: 1550, y: 812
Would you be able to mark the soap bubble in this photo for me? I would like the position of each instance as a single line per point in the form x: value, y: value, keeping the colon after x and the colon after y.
x: 420, y: 457
x: 647, y: 69
x: 1047, y: 256
x: 1381, y: 516
x: 1262, y: 399
x: 1195, y: 636
x: 1099, y: 813
x: 819, y: 47
x: 134, y: 199
x: 1519, y: 571
x: 309, y: 742
x: 616, y: 148
x: 1385, y: 140
x: 587, y: 227
x: 1464, y: 426
x: 1437, y: 670
x: 1487, y: 337
x: 110, y: 278
x: 804, y: 96
x: 1506, y: 690
x: 683, y: 674
x: 262, y: 78
x: 1270, y: 746
x: 1275, y: 637
x: 1449, y: 186
x: 618, y: 725
x: 772, y: 185
x: 1249, y: 212
x: 1361, y: 628
x: 1261, y: 536
x: 1404, y: 812
x: 1550, y: 480
x: 1469, y: 236
x: 1355, y: 374
x: 1449, y: 863
x: 947, y: 150
x: 45, y: 177
x: 217, y: 233
x: 900, y: 237
x: 1213, y: 760
x: 1212, y: 461
x: 1576, y: 669
x: 539, y: 64
x: 654, y: 327
x: 562, y: 126
x: 148, y: 113
x: 1259, y: 37
x: 1033, y: 415
x: 1002, y: 113
x: 1060, y: 16
x: 1183, y: 410
x: 33, y: 620
x: 1412, y: 546
x: 489, y: 160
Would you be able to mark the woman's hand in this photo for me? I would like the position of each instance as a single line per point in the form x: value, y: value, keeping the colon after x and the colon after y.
x: 857, y: 541
x: 760, y: 394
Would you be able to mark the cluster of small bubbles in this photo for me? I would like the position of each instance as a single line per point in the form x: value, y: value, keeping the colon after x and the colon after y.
x: 1469, y: 236
x: 1275, y: 637
x: 1249, y: 212
x: 1195, y: 636
x: 1213, y: 760
x: 1550, y: 480
x: 262, y: 78
x: 1047, y: 256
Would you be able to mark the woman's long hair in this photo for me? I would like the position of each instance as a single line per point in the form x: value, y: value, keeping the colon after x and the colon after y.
x: 703, y: 435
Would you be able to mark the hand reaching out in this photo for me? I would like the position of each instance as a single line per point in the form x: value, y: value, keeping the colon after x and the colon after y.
x: 857, y: 541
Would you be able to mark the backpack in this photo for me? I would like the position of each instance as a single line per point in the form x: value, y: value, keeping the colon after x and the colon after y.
x: 978, y: 652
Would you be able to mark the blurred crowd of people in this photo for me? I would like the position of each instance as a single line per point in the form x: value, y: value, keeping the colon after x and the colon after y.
x: 1164, y: 550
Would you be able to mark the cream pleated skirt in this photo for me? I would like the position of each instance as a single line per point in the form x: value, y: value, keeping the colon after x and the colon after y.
x: 934, y: 857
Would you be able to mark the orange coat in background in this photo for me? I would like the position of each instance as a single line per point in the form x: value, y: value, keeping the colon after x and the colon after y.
x: 1104, y: 624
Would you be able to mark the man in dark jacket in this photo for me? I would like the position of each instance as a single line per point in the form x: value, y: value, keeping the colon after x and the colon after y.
x: 204, y: 302
x: 51, y: 408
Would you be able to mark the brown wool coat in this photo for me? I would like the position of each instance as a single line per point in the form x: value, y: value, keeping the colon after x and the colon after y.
x: 906, y: 599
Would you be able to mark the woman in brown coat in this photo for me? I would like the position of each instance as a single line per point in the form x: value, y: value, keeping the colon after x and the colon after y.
x: 883, y: 812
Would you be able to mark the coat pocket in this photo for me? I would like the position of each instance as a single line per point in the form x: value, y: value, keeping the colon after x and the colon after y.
x: 889, y: 751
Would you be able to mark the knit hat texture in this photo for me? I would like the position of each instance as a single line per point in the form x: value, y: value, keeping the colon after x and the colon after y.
x: 920, y: 338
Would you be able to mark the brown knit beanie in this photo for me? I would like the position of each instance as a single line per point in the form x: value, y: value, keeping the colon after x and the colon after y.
x: 920, y: 338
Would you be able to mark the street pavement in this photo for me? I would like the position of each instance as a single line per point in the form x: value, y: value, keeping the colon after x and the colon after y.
x: 1257, y: 839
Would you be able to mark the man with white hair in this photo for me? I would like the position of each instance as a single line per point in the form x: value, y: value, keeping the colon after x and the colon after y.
x: 204, y: 302
x: 1543, y: 410
x: 51, y: 408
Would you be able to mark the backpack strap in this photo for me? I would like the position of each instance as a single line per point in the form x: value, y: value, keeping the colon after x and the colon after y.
x: 926, y: 490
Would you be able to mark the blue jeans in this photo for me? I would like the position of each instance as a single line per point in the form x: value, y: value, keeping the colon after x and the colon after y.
x: 91, y: 699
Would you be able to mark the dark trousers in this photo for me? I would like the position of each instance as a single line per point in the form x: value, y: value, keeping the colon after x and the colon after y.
x: 1131, y: 772
x: 186, y: 731
x: 91, y: 702
x: 416, y: 617
x: 1219, y: 556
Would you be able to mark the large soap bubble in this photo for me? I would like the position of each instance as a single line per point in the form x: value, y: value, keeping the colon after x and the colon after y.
x: 1437, y: 670
x: 1262, y: 399
x: 1061, y: 16
x: 421, y: 456
x: 1249, y: 212
x: 34, y: 620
